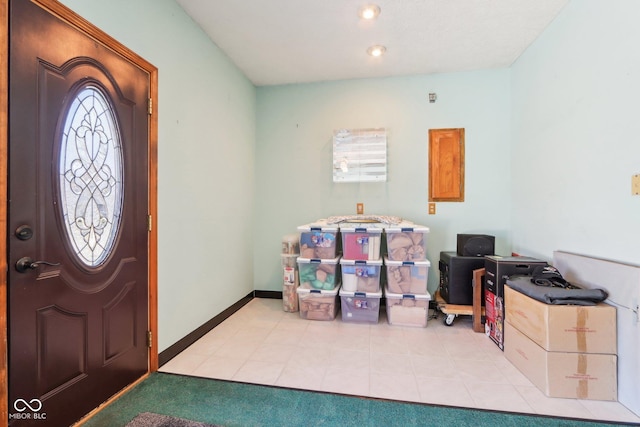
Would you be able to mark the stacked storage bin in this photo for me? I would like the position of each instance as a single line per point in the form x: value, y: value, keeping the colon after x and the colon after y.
x: 318, y: 274
x: 361, y: 266
x: 289, y: 256
x: 407, y: 270
x: 318, y: 271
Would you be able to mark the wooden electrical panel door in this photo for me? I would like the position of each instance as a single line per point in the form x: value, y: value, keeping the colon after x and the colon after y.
x: 446, y: 165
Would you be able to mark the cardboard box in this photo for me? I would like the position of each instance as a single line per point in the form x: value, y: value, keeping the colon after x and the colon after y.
x: 566, y: 328
x: 560, y: 374
x: 493, y: 325
x: 497, y: 270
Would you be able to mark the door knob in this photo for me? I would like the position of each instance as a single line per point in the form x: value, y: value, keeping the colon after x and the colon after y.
x: 26, y: 263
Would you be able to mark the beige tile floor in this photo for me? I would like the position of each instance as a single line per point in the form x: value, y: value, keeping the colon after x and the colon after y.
x: 448, y: 365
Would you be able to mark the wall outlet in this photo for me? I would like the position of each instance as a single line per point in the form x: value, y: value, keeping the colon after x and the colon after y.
x: 635, y: 185
x: 360, y: 208
x: 432, y: 208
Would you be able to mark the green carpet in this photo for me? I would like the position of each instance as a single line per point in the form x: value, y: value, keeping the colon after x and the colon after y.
x: 232, y: 404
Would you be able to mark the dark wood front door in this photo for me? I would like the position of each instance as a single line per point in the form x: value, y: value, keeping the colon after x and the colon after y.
x: 77, y: 220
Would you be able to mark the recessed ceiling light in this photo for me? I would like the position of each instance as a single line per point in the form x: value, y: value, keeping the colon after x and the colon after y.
x: 370, y: 11
x: 376, y: 50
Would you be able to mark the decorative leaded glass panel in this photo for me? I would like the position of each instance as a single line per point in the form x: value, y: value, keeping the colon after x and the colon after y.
x: 360, y: 155
x: 91, y: 174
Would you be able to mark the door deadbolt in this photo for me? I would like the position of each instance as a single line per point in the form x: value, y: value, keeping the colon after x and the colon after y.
x: 24, y: 232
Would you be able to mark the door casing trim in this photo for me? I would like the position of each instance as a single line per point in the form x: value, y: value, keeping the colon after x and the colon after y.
x: 67, y: 15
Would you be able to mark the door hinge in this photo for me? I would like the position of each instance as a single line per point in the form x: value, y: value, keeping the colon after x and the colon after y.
x: 149, y: 339
x: 150, y: 106
x: 149, y: 222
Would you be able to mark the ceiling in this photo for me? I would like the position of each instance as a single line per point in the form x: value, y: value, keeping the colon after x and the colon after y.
x: 278, y: 42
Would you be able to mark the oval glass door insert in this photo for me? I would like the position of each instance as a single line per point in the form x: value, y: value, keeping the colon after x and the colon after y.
x: 91, y: 175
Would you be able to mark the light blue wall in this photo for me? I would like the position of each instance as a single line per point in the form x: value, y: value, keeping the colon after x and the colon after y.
x: 575, y: 127
x: 550, y: 149
x: 205, y: 160
x: 294, y: 158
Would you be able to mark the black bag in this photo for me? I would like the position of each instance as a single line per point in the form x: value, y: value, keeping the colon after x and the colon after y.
x: 549, y: 293
x: 547, y: 275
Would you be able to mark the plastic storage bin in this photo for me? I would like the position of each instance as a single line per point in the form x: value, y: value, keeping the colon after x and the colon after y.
x: 407, y: 277
x: 319, y: 240
x: 361, y: 241
x: 288, y: 257
x: 289, y: 298
x: 318, y: 273
x: 290, y: 283
x: 360, y: 275
x: 407, y: 309
x: 407, y: 242
x: 291, y: 244
x: 360, y: 307
x: 316, y: 304
x: 289, y: 260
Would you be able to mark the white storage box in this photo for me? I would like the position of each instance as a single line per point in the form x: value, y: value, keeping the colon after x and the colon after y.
x: 407, y: 309
x: 361, y: 241
x: 290, y: 284
x: 289, y: 297
x: 319, y: 240
x: 291, y: 244
x: 318, y: 273
x: 407, y: 242
x: 289, y: 260
x: 318, y: 305
x: 360, y: 307
x: 407, y: 277
x: 360, y: 276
